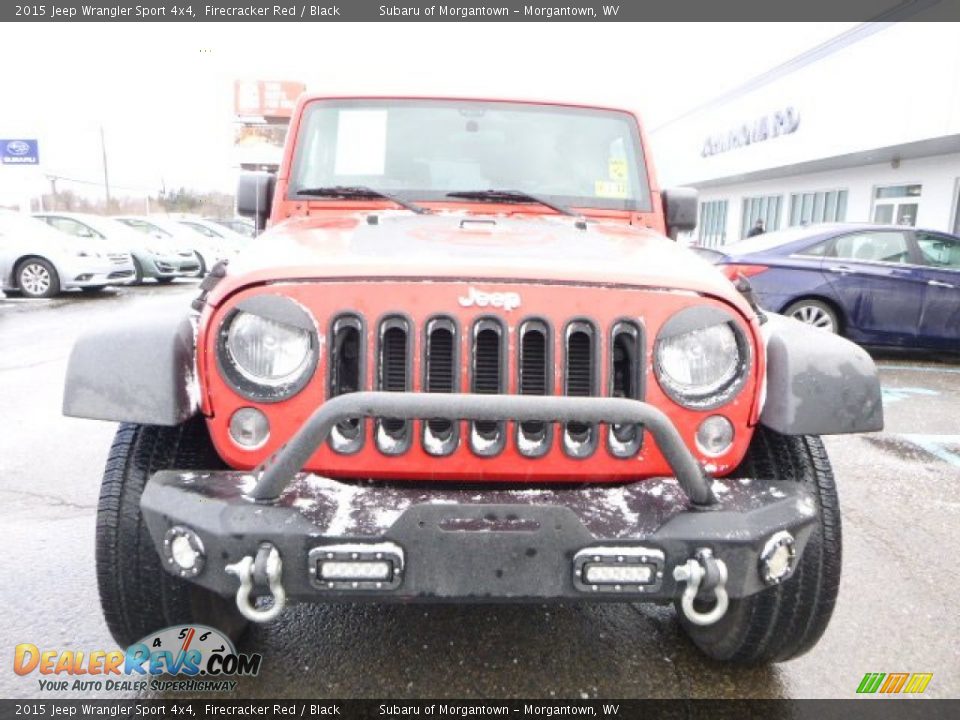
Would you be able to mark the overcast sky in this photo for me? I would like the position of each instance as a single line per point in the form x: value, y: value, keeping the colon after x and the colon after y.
x: 164, y: 92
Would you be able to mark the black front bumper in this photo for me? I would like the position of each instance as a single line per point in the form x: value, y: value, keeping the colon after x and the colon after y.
x: 478, y: 543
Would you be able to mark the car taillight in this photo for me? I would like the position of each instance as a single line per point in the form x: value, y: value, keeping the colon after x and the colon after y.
x: 736, y: 270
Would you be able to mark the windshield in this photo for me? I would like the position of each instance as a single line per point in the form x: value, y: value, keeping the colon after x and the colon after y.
x: 15, y: 226
x: 424, y: 149
x: 148, y: 228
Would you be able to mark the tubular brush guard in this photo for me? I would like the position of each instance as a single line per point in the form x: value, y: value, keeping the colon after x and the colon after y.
x: 281, y: 468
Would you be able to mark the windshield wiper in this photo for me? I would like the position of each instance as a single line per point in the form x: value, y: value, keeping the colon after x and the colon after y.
x: 511, y: 196
x: 359, y: 192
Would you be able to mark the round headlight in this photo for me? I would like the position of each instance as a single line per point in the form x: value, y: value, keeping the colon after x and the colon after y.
x: 268, y: 348
x: 267, y: 351
x: 701, y: 358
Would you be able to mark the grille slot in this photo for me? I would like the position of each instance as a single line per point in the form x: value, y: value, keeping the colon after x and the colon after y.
x: 625, y: 382
x: 580, y: 381
x: 534, y: 378
x: 346, y: 374
x: 487, y: 379
x: 393, y: 436
x: 440, y: 376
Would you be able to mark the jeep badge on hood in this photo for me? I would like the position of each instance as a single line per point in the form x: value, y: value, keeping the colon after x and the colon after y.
x: 505, y: 300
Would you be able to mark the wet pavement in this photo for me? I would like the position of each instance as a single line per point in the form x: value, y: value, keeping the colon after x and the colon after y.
x: 896, y: 612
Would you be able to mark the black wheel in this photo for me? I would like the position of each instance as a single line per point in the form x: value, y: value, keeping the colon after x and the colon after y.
x: 37, y: 278
x: 137, y: 272
x: 137, y: 595
x: 91, y: 289
x: 786, y: 620
x: 815, y: 312
x: 165, y: 280
x: 203, y: 265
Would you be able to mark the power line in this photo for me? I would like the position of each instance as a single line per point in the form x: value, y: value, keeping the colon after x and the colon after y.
x: 99, y: 183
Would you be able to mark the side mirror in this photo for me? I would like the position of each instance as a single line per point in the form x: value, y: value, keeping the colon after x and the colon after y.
x: 255, y: 196
x: 680, y: 210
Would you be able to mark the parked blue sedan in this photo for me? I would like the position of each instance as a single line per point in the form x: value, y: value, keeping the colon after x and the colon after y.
x: 875, y: 284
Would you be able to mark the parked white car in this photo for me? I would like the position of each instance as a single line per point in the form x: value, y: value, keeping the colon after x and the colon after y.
x: 152, y: 257
x: 208, y: 250
x: 238, y: 225
x: 39, y: 262
x: 214, y: 230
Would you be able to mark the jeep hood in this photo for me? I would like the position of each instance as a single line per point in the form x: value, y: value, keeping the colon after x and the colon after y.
x: 471, y: 247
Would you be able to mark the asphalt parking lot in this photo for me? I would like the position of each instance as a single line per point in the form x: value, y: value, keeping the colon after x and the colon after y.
x: 896, y: 612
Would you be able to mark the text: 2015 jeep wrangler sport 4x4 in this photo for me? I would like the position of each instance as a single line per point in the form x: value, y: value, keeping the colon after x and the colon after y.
x: 467, y: 363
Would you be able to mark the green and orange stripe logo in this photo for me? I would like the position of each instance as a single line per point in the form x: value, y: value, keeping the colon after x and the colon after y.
x: 894, y: 683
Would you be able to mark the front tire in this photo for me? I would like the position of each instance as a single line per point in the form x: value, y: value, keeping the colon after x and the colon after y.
x: 37, y: 278
x: 137, y: 595
x: 787, y: 620
x: 816, y: 313
x: 137, y: 273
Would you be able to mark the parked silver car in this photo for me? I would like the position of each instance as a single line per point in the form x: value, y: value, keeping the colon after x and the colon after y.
x: 241, y: 226
x: 152, y: 257
x: 214, y: 231
x: 39, y: 262
x: 208, y: 250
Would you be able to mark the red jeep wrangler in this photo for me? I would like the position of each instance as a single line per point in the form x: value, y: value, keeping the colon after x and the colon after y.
x: 467, y: 363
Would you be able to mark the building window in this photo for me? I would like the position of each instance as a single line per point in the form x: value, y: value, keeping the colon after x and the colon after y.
x: 817, y: 207
x: 766, y: 208
x: 896, y: 204
x: 712, y: 227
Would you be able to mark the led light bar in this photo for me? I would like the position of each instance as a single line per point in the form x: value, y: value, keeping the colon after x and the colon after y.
x: 355, y: 570
x: 618, y: 569
x: 356, y: 566
x: 623, y: 573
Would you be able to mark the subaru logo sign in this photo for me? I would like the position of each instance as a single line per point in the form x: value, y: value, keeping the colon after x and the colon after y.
x: 19, y: 152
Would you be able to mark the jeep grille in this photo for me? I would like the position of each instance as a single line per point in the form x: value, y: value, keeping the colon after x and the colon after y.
x: 490, y: 370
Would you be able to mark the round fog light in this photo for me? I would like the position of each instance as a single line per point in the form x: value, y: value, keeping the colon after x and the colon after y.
x: 249, y: 428
x: 715, y: 435
x: 778, y: 558
x: 183, y: 549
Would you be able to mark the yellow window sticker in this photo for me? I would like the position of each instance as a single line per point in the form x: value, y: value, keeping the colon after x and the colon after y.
x: 617, y: 169
x: 609, y: 189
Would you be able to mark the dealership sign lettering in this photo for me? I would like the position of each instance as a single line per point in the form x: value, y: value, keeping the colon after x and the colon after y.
x: 781, y: 122
x: 19, y: 152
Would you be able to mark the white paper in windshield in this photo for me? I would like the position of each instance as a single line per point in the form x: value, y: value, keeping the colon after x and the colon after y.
x: 361, y: 142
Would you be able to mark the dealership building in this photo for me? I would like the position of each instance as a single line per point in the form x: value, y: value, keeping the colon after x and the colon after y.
x: 865, y: 127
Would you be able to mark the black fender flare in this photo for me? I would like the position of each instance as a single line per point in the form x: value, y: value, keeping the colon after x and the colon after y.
x: 817, y: 383
x: 139, y: 369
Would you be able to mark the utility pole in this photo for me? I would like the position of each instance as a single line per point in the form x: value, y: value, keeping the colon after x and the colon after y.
x: 106, y: 177
x: 53, y: 190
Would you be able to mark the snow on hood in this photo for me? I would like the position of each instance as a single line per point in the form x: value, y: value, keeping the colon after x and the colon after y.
x: 457, y: 245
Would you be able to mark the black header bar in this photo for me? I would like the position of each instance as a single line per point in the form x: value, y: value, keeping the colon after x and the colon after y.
x: 454, y: 709
x: 478, y: 11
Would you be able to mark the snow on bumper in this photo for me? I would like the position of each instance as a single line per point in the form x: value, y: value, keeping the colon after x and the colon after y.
x: 476, y: 544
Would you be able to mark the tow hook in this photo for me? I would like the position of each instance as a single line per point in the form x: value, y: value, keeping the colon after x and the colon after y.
x: 266, y: 569
x: 705, y: 573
